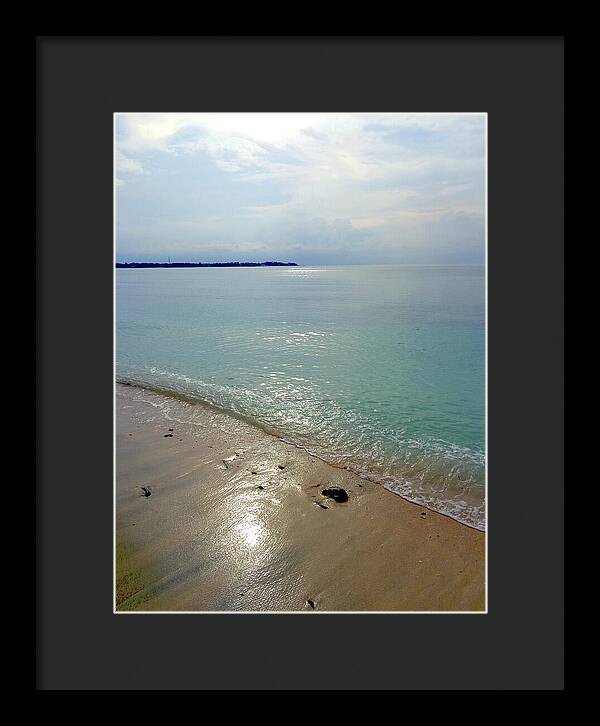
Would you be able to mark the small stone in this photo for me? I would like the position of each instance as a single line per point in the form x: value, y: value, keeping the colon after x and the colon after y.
x: 168, y: 436
x: 336, y: 493
x: 146, y: 492
x: 260, y: 487
x: 280, y: 466
x: 311, y: 603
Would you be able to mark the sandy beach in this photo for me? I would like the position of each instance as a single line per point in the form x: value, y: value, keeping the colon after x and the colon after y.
x: 214, y: 514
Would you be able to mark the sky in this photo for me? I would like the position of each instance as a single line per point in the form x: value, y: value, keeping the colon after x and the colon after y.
x: 351, y: 188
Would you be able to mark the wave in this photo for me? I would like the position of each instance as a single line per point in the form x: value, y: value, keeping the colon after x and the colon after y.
x: 435, y: 474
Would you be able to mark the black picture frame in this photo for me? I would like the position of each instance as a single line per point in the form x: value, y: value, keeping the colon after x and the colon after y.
x: 81, y: 82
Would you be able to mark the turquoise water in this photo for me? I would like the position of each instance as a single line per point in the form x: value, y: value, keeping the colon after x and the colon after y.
x: 377, y: 368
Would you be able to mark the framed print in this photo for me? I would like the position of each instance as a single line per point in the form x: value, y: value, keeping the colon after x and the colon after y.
x: 300, y: 363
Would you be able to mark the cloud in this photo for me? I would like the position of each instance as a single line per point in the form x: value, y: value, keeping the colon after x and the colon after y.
x: 125, y: 165
x: 367, y: 186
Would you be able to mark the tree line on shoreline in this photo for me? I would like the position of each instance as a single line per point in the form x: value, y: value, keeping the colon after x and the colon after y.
x: 134, y: 265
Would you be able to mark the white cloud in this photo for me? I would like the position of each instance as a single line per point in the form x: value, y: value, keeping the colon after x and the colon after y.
x: 274, y: 176
x: 125, y: 165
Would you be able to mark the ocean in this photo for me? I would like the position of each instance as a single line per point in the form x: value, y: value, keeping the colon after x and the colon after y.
x: 379, y: 369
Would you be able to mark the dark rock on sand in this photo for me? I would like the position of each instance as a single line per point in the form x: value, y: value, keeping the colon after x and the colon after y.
x: 311, y: 603
x: 168, y: 436
x: 336, y: 493
x: 146, y: 492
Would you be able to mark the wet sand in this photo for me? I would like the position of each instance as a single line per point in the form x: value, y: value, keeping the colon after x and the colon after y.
x: 235, y: 521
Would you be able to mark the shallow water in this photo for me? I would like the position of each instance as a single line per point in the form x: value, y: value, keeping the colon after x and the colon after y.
x: 377, y: 368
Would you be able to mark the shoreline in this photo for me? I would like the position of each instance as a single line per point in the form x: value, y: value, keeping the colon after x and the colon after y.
x: 236, y: 521
x: 366, y: 473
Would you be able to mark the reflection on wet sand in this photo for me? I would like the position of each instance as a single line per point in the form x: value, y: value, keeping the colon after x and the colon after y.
x: 231, y: 525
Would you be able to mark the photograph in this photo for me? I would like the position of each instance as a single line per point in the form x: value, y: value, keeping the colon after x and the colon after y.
x: 300, y: 362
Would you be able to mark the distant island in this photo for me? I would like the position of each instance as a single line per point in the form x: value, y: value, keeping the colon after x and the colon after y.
x: 136, y: 265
